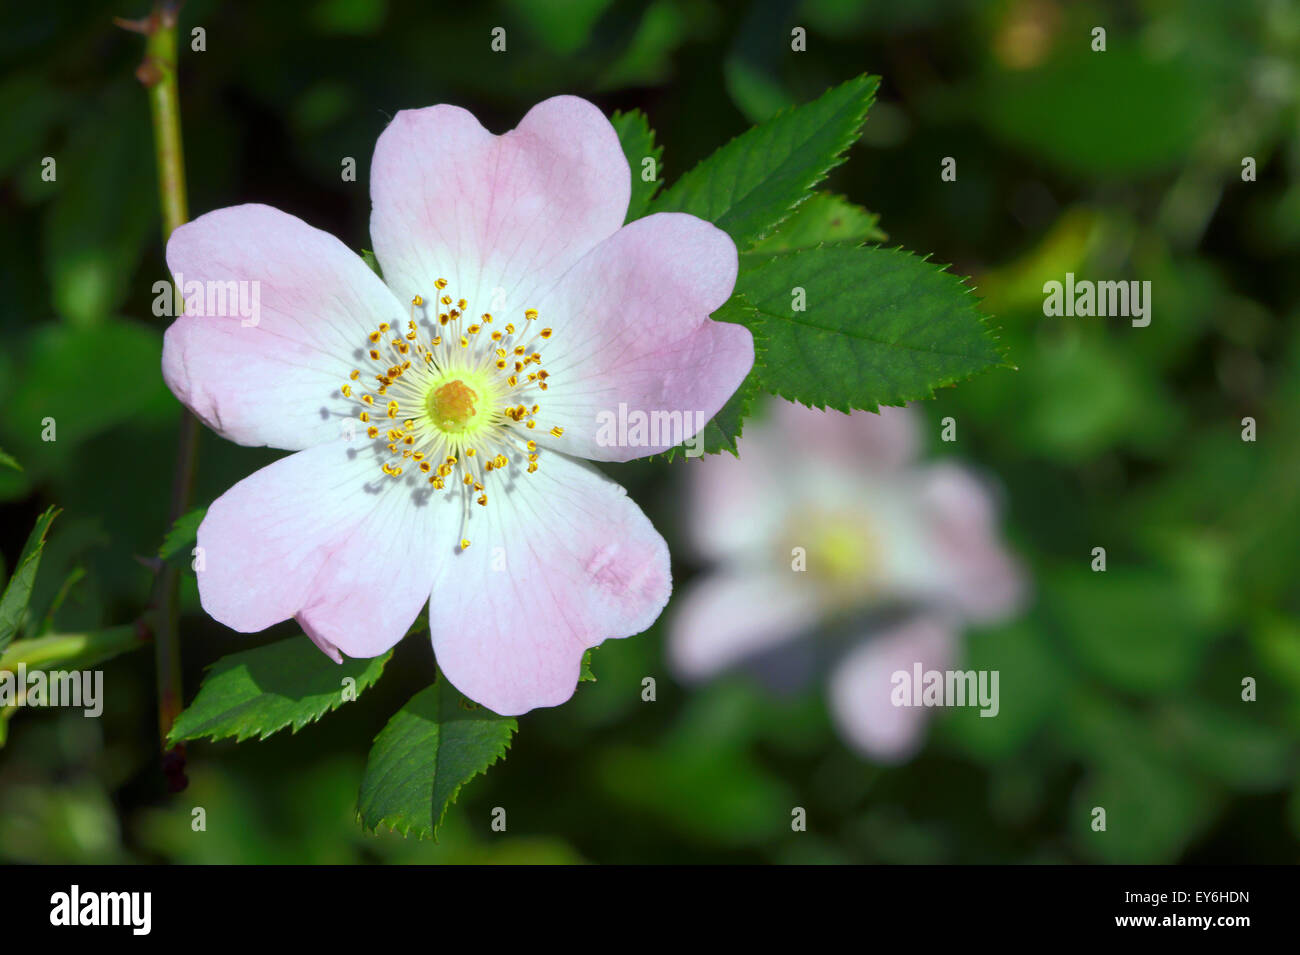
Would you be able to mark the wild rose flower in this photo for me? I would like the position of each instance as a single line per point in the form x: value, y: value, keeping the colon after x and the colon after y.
x: 882, y: 539
x: 439, y: 416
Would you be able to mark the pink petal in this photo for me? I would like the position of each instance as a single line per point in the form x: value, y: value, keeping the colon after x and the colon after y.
x: 737, y: 507
x: 631, y: 328
x: 498, y: 216
x: 276, y: 382
x: 726, y: 619
x: 862, y: 684
x: 792, y: 457
x: 319, y: 536
x: 881, y: 441
x: 976, y: 572
x: 556, y: 565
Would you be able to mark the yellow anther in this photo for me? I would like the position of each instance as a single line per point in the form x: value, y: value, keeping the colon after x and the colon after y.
x: 417, y: 301
x: 530, y: 313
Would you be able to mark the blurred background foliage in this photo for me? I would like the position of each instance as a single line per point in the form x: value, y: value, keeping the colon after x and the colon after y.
x: 1120, y: 689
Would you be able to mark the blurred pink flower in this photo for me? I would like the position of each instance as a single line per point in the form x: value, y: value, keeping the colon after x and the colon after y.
x: 450, y: 403
x: 873, y: 529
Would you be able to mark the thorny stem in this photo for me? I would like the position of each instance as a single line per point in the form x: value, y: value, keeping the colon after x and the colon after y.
x: 157, y: 73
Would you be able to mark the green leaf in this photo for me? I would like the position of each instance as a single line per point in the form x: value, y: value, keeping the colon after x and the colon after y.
x: 95, y: 230
x: 64, y: 376
x: 261, y: 691
x: 1134, y: 627
x: 879, y: 326
x: 9, y: 461
x: 585, y: 673
x: 369, y: 258
x: 431, y: 747
x: 751, y: 184
x: 824, y: 218
x: 13, y: 605
x: 1153, y: 810
x: 73, y: 651
x: 1127, y: 112
x: 638, y: 142
x: 180, y: 539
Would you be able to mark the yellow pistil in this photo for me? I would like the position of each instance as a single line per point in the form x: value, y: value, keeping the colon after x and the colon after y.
x: 451, y: 406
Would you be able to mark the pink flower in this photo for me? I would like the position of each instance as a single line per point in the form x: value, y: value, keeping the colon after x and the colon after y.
x: 823, y: 518
x: 439, y: 416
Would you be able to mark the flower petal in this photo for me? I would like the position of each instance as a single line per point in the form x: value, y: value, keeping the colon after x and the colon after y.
x: 270, y: 376
x: 726, y: 619
x: 319, y: 536
x: 737, y: 506
x: 633, y: 340
x: 882, y: 441
x: 861, y: 688
x: 559, y: 562
x: 978, y: 575
x: 498, y: 216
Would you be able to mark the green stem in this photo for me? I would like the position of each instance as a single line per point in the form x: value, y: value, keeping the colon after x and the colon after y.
x: 165, y: 108
x: 158, y: 74
x: 73, y: 650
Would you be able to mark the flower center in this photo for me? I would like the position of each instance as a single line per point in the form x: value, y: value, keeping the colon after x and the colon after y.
x: 453, y: 400
x: 451, y: 406
x: 843, y: 553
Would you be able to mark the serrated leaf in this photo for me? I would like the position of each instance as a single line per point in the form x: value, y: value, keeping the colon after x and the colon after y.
x: 638, y: 142
x: 9, y: 461
x: 878, y: 326
x: 431, y: 748
x: 751, y: 184
x: 724, y: 428
x: 183, y: 533
x: 261, y: 691
x: 18, y: 591
x: 824, y: 219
